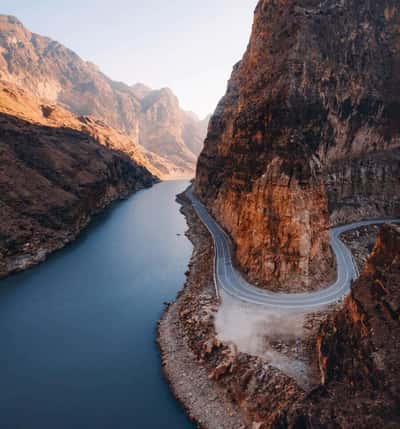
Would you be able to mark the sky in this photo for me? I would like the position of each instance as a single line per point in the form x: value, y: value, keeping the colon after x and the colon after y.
x: 187, y: 45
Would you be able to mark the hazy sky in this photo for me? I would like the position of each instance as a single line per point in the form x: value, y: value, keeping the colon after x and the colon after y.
x: 187, y: 45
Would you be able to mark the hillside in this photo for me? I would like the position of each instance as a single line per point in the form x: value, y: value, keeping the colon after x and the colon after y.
x: 151, y: 118
x: 56, y: 171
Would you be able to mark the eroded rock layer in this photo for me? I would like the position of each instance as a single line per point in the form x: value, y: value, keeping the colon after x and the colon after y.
x: 307, y: 134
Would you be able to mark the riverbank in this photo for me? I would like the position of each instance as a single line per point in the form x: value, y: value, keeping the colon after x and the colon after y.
x: 39, y: 248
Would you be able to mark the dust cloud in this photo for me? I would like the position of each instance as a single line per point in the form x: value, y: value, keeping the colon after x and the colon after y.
x: 276, y: 336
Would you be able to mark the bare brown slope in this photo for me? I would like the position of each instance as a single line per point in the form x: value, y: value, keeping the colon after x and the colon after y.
x: 18, y: 102
x: 52, y: 72
x: 56, y: 171
x: 308, y: 130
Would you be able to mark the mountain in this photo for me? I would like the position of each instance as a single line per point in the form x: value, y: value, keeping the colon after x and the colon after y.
x: 140, y: 90
x: 307, y: 135
x: 168, y: 131
x: 56, y: 171
x: 151, y: 118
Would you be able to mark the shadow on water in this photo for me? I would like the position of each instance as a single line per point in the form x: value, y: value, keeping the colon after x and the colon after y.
x: 78, y: 332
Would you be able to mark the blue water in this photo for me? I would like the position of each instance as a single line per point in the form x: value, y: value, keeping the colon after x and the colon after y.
x: 77, y: 333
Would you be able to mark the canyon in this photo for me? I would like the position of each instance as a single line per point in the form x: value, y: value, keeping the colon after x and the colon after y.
x: 170, y: 137
x: 70, y: 133
x: 307, y: 136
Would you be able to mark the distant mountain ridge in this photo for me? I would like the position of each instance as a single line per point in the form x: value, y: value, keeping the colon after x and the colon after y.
x: 151, y: 118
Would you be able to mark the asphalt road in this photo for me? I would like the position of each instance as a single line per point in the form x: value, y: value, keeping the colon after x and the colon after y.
x: 228, y: 279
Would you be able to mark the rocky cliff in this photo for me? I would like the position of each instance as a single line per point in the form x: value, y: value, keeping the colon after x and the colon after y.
x: 151, y: 118
x: 306, y: 135
x: 56, y: 171
x: 358, y: 351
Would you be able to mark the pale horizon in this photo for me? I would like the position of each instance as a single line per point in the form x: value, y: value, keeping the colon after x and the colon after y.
x: 191, y: 50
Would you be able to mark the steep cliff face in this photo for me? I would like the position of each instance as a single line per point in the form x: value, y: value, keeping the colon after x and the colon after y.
x: 56, y: 171
x: 358, y: 350
x: 308, y: 130
x: 52, y: 72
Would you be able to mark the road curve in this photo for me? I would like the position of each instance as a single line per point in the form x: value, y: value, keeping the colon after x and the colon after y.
x: 228, y: 279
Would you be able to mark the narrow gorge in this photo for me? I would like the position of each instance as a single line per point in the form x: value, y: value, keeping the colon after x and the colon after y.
x: 72, y: 141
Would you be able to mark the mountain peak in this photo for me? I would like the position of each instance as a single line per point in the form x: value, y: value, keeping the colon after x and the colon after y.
x: 10, y: 19
x: 10, y: 26
x: 167, y: 91
x: 140, y: 90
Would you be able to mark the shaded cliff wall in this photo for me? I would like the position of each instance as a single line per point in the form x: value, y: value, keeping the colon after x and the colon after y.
x: 308, y: 130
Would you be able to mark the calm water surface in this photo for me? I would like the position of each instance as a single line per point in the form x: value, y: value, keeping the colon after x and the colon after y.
x: 77, y: 333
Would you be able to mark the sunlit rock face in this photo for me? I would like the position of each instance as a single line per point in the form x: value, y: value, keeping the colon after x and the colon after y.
x: 151, y: 118
x: 306, y: 135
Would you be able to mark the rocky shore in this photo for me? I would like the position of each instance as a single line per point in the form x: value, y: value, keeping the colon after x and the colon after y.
x: 205, y: 403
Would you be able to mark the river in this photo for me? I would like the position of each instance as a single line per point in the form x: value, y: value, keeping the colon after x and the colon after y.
x: 78, y: 332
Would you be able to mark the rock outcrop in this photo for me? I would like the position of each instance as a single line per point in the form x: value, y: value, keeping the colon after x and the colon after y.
x: 56, y: 171
x: 52, y: 72
x: 308, y: 134
x: 358, y: 351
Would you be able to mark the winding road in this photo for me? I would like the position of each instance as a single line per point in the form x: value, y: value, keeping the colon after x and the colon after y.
x: 228, y: 279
